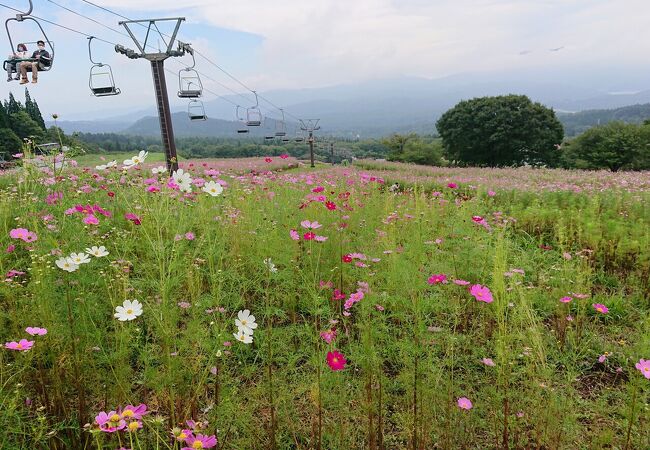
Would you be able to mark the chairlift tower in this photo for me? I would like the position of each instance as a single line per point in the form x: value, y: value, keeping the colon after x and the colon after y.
x: 310, y: 125
x: 157, y: 60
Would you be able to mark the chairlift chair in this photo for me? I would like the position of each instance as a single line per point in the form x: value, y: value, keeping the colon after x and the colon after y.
x: 196, y: 111
x: 189, y: 81
x: 21, y: 17
x: 281, y: 126
x: 101, y: 81
x: 242, y: 128
x: 253, y: 114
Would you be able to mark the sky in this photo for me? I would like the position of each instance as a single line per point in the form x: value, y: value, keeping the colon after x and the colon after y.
x: 294, y: 44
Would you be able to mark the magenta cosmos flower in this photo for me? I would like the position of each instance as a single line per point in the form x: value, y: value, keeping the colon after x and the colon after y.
x: 464, y: 403
x: 566, y: 299
x: 644, y: 367
x: 23, y: 234
x: 336, y: 360
x: 23, y: 345
x: 600, y: 308
x: 437, y: 279
x: 481, y: 293
x: 200, y: 441
x: 36, y: 331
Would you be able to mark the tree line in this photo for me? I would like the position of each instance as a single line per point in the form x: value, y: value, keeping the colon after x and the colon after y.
x: 19, y: 122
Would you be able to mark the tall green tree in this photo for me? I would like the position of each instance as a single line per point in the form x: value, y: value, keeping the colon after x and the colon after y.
x: 506, y: 130
x: 13, y: 106
x: 4, y: 117
x: 32, y: 109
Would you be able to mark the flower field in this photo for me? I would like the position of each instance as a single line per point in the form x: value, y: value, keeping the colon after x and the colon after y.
x: 382, y: 306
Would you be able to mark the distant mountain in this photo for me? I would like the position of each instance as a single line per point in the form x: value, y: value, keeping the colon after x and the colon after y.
x: 380, y: 107
x: 579, y: 122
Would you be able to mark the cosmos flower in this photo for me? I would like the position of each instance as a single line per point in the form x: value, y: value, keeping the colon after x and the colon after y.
x: 481, y: 293
x: 129, y: 310
x: 245, y: 322
x: 465, y: 403
x: 23, y: 345
x: 336, y: 360
x: 36, y: 331
x: 600, y: 308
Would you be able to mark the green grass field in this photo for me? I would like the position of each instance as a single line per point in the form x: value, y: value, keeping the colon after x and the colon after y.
x: 451, y: 310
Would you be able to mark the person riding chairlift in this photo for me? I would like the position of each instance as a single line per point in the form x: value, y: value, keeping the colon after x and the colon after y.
x: 40, y: 59
x: 14, y: 60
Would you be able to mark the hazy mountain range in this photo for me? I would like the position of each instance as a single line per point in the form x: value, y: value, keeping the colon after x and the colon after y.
x: 378, y: 108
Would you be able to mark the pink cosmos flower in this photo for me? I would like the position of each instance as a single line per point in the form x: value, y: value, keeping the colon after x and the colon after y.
x: 461, y: 282
x: 284, y: 156
x: 36, y: 331
x: 309, y: 236
x: 452, y: 185
x: 602, y: 358
x: 488, y: 362
x: 23, y: 345
x: 23, y: 234
x: 318, y: 189
x: 437, y: 279
x: 338, y: 295
x: 90, y: 220
x: 268, y: 160
x: 354, y: 298
x: 320, y: 238
x: 600, y: 308
x: 644, y: 367
x: 189, y: 236
x: 379, y: 308
x: 200, y: 440
x: 10, y: 248
x: 464, y: 403
x: 133, y: 218
x: 328, y: 336
x: 566, y: 299
x: 491, y: 193
x: 294, y: 235
x: 310, y: 225
x: 134, y: 412
x: 481, y: 293
x: 336, y: 360
x: 110, y: 422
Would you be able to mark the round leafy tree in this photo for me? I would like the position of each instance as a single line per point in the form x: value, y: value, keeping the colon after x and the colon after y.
x: 507, y: 130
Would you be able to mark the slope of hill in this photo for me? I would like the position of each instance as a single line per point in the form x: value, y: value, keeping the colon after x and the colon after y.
x: 576, y: 123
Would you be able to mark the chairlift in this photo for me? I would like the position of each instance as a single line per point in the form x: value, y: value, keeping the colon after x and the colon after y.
x: 269, y: 137
x: 253, y: 114
x: 281, y: 126
x: 242, y: 128
x: 285, y: 139
x: 101, y: 81
x: 196, y: 111
x: 189, y: 82
x: 299, y: 137
x: 45, y: 63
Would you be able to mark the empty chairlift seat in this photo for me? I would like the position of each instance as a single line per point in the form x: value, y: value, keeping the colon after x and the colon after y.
x: 196, y: 111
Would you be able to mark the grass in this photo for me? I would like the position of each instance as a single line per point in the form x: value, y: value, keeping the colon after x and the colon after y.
x: 412, y: 349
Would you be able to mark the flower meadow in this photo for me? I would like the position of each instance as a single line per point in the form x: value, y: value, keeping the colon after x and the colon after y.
x: 328, y: 308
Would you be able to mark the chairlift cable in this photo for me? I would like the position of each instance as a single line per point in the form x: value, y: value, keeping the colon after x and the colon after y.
x: 224, y: 71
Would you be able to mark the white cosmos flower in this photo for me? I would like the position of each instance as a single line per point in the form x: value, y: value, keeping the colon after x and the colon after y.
x: 97, y: 251
x: 245, y: 322
x: 111, y: 164
x: 213, y: 188
x: 159, y: 169
x: 101, y: 167
x: 183, y: 180
x: 270, y: 265
x: 134, y: 161
x: 66, y: 264
x: 243, y: 337
x: 80, y: 258
x: 128, y: 311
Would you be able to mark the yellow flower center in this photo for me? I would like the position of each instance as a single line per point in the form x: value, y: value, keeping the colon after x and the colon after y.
x: 115, y: 418
x: 335, y: 360
x: 181, y: 436
x: 243, y: 322
x: 646, y: 369
x: 19, y: 346
x: 242, y: 337
x: 133, y: 426
x: 197, y: 444
x: 127, y: 413
x: 129, y: 311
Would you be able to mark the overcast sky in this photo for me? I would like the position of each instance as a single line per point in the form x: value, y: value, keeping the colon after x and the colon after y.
x: 298, y: 43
